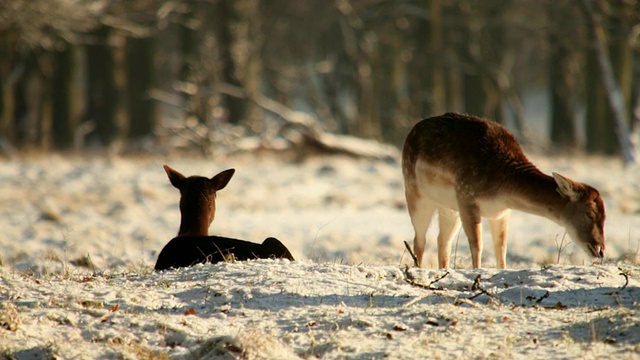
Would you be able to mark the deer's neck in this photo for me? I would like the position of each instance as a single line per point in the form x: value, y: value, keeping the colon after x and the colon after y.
x: 536, y: 193
x: 188, y: 229
x: 194, y: 223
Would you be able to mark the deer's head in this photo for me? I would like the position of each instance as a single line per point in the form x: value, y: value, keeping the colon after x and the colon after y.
x: 197, y: 199
x: 583, y: 215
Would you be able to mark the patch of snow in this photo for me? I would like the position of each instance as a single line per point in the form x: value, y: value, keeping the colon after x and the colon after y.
x: 80, y: 237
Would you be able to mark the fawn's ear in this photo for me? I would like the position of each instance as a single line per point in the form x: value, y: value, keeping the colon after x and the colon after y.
x: 176, y: 178
x: 221, y: 180
x: 566, y: 187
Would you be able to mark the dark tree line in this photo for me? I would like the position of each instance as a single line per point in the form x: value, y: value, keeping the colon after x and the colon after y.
x: 117, y: 73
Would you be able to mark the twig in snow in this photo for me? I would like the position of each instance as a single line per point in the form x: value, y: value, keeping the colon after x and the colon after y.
x: 476, y: 283
x: 456, y: 300
x: 476, y: 286
x: 546, y: 295
x: 416, y: 299
x: 464, y: 301
x: 413, y: 255
x: 626, y: 279
x: 616, y: 293
x: 409, y: 279
x: 560, y: 247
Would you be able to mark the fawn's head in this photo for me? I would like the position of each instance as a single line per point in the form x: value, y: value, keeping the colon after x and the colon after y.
x: 197, y: 199
x: 583, y: 215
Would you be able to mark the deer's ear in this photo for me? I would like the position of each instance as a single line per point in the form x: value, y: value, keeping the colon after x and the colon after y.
x: 175, y: 177
x: 566, y: 187
x: 221, y: 180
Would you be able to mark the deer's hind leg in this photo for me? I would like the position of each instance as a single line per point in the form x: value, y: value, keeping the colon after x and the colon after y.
x: 421, y: 211
x: 472, y: 225
x: 449, y: 223
x: 499, y: 236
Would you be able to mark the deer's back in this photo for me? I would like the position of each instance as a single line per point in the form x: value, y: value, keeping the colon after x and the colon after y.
x: 463, y: 152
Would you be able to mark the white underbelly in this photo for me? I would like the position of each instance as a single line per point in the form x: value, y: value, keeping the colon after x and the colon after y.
x: 445, y: 197
x: 492, y: 208
x: 435, y: 183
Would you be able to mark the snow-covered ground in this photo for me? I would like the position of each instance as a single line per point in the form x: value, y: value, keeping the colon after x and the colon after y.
x: 80, y: 236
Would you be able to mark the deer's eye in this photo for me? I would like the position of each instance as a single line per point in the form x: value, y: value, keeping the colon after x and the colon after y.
x: 590, y: 215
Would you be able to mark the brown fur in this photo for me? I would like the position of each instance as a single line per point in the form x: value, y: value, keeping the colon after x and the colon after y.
x: 461, y: 166
x: 197, y: 199
x: 193, y: 245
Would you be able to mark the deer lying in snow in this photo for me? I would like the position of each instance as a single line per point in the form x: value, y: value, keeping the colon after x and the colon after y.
x: 467, y: 168
x: 193, y: 245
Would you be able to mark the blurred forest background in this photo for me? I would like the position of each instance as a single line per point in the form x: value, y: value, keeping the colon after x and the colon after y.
x: 151, y: 75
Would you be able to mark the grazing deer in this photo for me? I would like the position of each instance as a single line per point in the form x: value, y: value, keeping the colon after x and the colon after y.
x: 193, y: 244
x: 467, y: 168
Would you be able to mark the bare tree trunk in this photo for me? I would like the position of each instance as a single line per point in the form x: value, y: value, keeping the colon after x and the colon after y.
x: 482, y: 95
x: 613, y: 94
x: 9, y: 74
x: 226, y: 15
x: 474, y: 94
x: 139, y: 66
x: 622, y: 38
x: 386, y: 103
x: 188, y: 46
x: 101, y: 87
x: 47, y: 91
x: 599, y: 130
x: 367, y: 101
x: 563, y: 110
x: 635, y: 112
x: 438, y: 104
x: 455, y: 87
x: 62, y: 122
x: 248, y: 35
x: 26, y: 101
x: 493, y: 63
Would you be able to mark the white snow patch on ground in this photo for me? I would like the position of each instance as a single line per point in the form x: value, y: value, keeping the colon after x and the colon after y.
x: 80, y: 237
